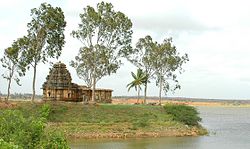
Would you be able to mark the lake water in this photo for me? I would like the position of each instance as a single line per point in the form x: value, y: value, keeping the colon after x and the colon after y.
x: 229, y: 129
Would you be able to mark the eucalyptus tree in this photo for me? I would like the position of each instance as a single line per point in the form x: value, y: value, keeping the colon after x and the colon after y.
x: 143, y: 59
x: 140, y: 78
x: 167, y: 64
x: 14, y: 63
x: 45, y: 37
x: 106, y: 36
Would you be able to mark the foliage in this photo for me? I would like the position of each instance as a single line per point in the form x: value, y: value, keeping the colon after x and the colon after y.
x: 45, y: 37
x: 6, y: 145
x: 54, y: 140
x: 14, y: 63
x: 159, y: 61
x: 167, y: 62
x: 28, y: 132
x: 23, y: 132
x: 45, y: 111
x: 105, y: 35
x: 142, y: 58
x: 183, y: 113
x: 139, y: 79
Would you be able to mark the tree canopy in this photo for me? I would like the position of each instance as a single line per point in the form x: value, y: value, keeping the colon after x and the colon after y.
x: 45, y: 37
x: 142, y: 57
x: 140, y: 78
x: 159, y: 61
x: 167, y: 64
x: 106, y: 36
x: 14, y: 62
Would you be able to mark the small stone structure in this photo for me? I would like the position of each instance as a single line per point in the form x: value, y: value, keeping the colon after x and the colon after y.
x: 59, y: 87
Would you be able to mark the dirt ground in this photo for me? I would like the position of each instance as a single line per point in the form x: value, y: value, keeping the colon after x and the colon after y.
x: 4, y: 105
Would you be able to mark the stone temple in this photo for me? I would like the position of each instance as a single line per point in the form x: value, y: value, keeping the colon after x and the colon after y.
x: 59, y: 87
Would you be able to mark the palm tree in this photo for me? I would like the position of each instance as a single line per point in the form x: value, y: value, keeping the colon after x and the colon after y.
x: 139, y: 79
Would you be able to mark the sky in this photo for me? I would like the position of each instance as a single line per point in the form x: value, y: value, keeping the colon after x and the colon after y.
x: 215, y: 35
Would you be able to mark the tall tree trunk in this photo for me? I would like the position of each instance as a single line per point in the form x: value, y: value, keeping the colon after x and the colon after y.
x: 138, y: 95
x: 9, y: 84
x: 94, y: 74
x: 34, y: 84
x: 145, y: 92
x: 94, y: 85
x: 8, y: 95
x: 93, y: 89
x: 160, y: 90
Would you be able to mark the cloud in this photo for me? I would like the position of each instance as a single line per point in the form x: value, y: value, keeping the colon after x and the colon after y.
x: 167, y: 23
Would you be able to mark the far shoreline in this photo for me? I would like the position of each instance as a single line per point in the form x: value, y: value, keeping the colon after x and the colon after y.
x: 196, y: 102
x: 186, y: 101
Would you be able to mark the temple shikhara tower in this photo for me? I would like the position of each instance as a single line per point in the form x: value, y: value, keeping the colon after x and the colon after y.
x: 59, y: 87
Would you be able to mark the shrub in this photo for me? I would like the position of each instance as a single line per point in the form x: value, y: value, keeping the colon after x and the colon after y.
x: 183, y: 113
x: 45, y: 111
x: 25, y: 132
x: 6, y: 145
x: 54, y: 140
x: 28, y: 132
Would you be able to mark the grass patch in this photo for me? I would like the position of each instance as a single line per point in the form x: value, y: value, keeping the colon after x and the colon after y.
x: 76, y: 119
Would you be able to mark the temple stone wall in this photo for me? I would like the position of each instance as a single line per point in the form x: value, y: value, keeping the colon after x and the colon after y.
x: 58, y: 87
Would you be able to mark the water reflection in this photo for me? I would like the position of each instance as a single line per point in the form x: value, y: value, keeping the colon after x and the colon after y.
x: 143, y: 143
x: 229, y: 129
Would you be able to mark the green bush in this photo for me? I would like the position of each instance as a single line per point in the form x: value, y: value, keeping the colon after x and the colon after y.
x: 15, y: 128
x: 6, y: 145
x: 45, y: 111
x: 28, y: 132
x: 183, y: 113
x: 54, y: 140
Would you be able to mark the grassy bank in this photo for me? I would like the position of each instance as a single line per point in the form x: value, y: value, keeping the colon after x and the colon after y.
x: 109, y: 121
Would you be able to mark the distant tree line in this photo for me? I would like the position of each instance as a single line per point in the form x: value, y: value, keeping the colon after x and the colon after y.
x: 23, y: 96
x: 106, y: 37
